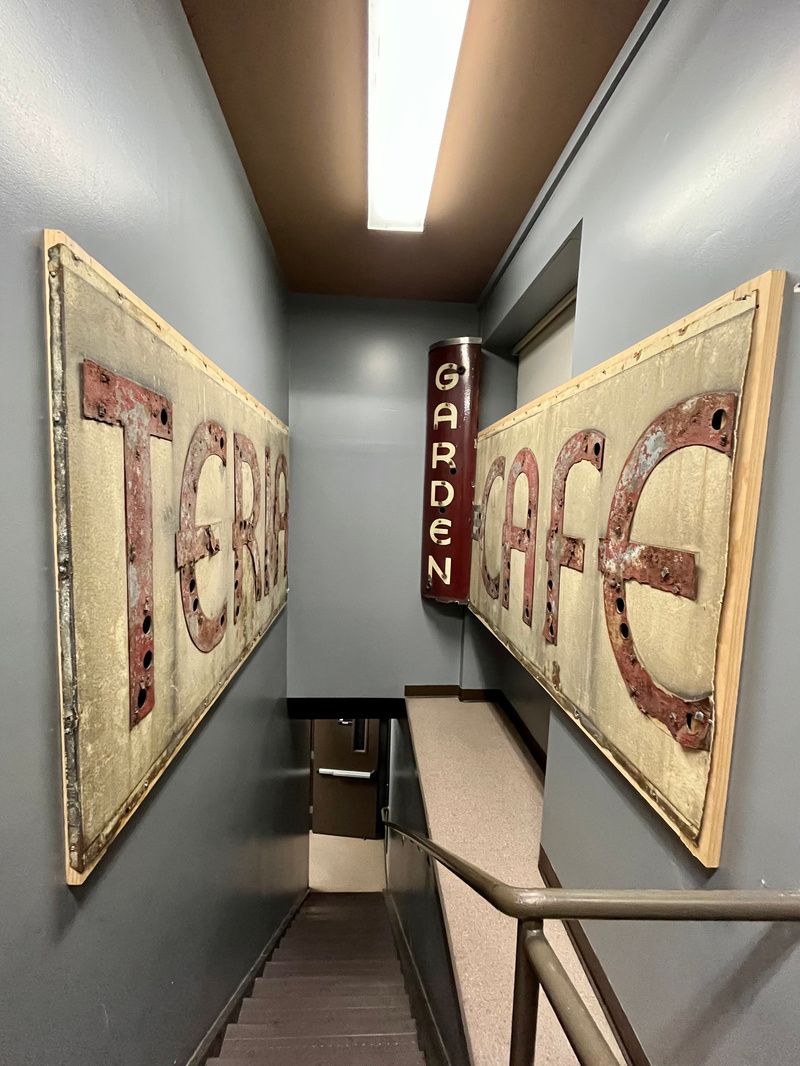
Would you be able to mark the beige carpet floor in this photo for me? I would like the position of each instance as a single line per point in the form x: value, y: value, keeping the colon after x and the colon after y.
x: 483, y: 797
x: 345, y: 864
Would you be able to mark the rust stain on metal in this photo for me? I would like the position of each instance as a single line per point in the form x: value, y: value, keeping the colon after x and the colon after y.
x: 142, y: 414
x: 556, y: 675
x: 269, y: 519
x: 244, y: 528
x: 496, y: 470
x: 585, y: 446
x: 706, y: 420
x: 521, y: 538
x: 193, y: 542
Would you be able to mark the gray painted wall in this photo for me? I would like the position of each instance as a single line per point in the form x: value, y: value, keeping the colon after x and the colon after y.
x: 357, y: 623
x: 687, y: 186
x: 110, y: 130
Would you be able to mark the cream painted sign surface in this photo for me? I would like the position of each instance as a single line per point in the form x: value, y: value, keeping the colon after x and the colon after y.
x: 171, y: 516
x: 614, y: 526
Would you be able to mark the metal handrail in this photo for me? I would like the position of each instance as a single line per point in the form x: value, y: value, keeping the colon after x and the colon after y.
x: 537, y: 964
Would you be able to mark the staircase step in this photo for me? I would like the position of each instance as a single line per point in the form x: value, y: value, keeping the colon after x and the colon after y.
x: 334, y: 968
x: 373, y: 916
x: 334, y: 933
x: 346, y: 931
x: 237, y: 1033
x: 355, y: 1015
x: 315, y: 914
x: 335, y: 1051
x: 344, y: 910
x: 351, y: 1021
x: 364, y: 952
x: 263, y: 1012
x: 311, y: 985
x: 290, y: 999
x: 368, y: 1055
x: 362, y: 900
x: 332, y: 994
x: 380, y: 938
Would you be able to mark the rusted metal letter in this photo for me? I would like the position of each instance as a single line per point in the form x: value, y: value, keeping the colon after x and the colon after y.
x: 280, y: 518
x: 193, y: 542
x: 269, y: 521
x: 585, y: 446
x: 244, y: 529
x: 142, y: 414
x: 521, y: 538
x: 496, y: 470
x: 707, y: 421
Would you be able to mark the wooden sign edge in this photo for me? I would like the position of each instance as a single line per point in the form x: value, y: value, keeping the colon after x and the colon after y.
x: 53, y: 238
x: 768, y: 291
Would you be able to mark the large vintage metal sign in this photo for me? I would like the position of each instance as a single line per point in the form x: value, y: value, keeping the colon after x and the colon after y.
x: 171, y: 515
x: 453, y: 370
x: 615, y: 520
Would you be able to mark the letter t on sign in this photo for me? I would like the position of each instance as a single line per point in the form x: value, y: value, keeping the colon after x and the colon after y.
x: 452, y: 423
x: 142, y: 414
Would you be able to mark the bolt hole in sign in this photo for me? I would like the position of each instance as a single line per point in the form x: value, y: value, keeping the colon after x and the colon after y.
x: 452, y: 412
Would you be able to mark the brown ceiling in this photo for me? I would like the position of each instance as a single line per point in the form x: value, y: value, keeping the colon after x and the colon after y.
x: 291, y: 77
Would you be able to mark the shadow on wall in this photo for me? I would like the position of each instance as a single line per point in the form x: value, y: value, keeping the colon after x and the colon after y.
x: 737, y: 990
x: 488, y: 665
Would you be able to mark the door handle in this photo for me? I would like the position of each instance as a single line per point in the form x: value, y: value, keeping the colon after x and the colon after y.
x: 361, y: 775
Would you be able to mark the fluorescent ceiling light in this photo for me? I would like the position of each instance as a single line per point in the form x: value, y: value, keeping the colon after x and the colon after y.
x: 413, y: 51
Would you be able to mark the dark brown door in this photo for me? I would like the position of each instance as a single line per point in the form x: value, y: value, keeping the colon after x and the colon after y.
x: 345, y: 777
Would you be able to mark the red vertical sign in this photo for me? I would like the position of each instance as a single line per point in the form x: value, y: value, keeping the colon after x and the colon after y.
x: 452, y: 414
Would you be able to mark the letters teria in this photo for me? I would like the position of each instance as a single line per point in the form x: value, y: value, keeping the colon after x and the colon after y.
x: 449, y: 469
x: 171, y: 517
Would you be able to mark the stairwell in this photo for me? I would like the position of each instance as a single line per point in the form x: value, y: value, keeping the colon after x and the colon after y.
x: 332, y: 994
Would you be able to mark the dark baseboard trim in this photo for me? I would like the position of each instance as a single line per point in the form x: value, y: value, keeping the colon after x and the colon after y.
x: 431, y: 1042
x: 309, y: 707
x: 432, y: 690
x: 612, y: 1008
x: 209, y: 1045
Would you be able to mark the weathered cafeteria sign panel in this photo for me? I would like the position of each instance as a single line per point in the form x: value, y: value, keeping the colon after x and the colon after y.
x: 171, y: 515
x: 615, y: 519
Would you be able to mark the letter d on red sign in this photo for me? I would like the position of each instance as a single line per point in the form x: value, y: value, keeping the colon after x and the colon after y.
x: 452, y: 423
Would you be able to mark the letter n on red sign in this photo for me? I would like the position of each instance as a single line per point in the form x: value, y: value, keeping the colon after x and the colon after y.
x: 452, y: 422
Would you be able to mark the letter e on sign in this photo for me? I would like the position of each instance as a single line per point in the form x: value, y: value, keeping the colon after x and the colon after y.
x: 452, y: 423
